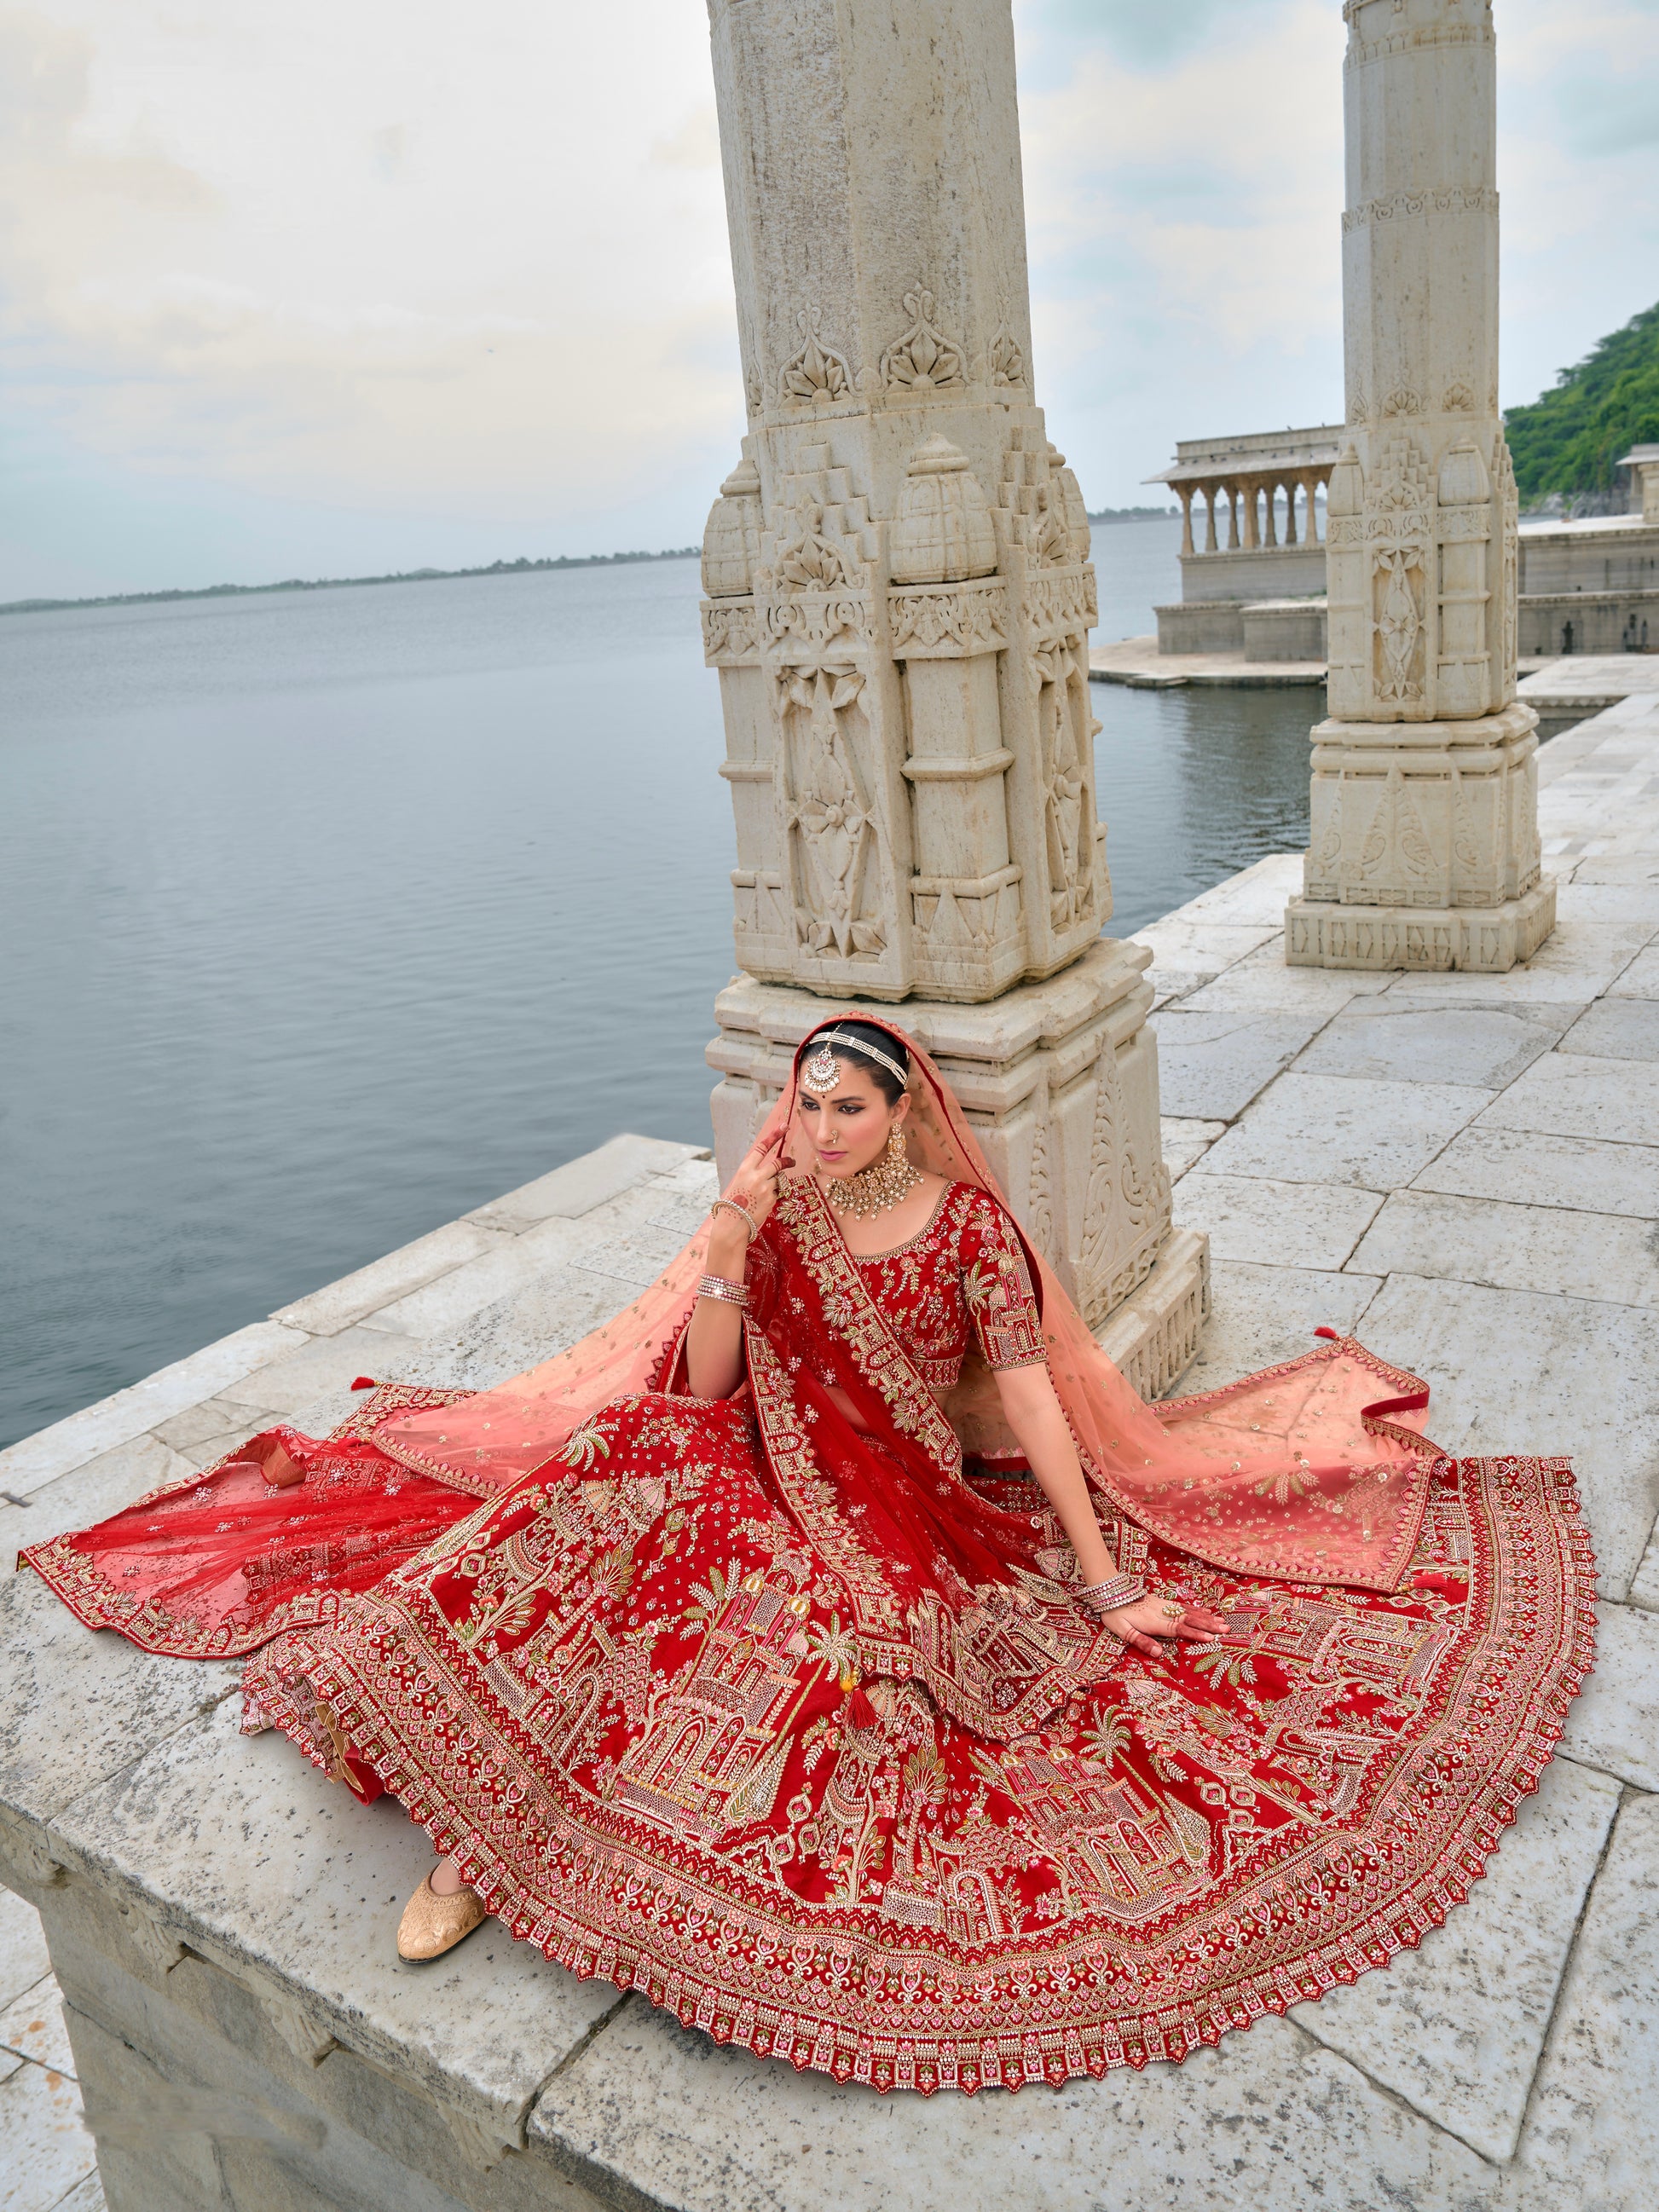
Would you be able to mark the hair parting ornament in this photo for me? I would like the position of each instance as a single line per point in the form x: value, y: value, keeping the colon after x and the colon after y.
x: 822, y: 1073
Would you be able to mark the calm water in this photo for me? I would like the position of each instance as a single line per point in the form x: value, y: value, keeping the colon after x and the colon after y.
x: 324, y: 918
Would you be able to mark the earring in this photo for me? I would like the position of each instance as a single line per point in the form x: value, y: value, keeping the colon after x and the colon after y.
x: 897, y: 1149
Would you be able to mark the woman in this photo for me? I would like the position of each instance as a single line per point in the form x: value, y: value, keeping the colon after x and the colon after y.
x: 843, y: 1654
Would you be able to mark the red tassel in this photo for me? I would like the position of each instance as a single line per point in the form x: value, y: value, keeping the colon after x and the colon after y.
x: 1334, y: 1335
x: 860, y: 1711
x: 365, y: 1383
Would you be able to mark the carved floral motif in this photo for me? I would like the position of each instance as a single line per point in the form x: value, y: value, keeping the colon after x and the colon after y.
x: 816, y: 623
x: 814, y: 372
x: 813, y: 561
x: 924, y: 359
x: 976, y: 621
x: 1060, y: 609
x: 1005, y: 363
x: 728, y: 631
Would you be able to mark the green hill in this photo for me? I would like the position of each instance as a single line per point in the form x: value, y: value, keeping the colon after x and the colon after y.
x: 1568, y: 441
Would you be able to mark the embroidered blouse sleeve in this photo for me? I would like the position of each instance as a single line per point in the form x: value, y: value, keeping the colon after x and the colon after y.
x: 996, y: 1286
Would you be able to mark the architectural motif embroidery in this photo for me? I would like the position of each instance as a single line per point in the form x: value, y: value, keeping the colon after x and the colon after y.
x: 693, y: 1797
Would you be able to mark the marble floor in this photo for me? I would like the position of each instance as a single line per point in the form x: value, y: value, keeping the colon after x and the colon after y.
x: 1464, y: 1171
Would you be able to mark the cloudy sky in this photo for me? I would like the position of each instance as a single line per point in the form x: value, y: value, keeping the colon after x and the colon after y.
x: 349, y: 285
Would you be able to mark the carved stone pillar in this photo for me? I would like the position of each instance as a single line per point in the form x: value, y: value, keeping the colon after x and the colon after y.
x: 899, y: 598
x: 1424, y: 850
x: 1184, y: 494
x: 1212, y: 493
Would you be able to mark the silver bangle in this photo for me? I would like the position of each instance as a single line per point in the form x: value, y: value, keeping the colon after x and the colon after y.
x: 736, y: 1205
x: 1115, y: 1592
x: 731, y: 1294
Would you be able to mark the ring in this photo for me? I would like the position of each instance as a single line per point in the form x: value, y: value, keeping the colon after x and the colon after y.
x: 1174, y: 1612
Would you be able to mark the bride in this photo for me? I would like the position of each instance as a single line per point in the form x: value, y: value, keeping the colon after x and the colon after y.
x: 836, y: 1649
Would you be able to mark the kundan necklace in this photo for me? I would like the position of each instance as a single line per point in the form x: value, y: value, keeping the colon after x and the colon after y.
x: 886, y: 1182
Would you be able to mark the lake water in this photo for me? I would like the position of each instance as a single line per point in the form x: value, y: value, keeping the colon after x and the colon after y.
x: 324, y: 917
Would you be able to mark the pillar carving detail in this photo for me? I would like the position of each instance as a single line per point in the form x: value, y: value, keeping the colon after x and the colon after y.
x: 1423, y: 797
x: 899, y: 596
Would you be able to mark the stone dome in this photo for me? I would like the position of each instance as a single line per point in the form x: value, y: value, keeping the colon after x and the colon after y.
x: 943, y: 530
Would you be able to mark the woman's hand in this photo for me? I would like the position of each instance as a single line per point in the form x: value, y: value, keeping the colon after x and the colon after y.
x: 1142, y: 1624
x: 754, y: 1188
x: 755, y: 1185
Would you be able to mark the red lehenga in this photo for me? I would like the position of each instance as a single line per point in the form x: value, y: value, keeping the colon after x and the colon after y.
x: 796, y: 1727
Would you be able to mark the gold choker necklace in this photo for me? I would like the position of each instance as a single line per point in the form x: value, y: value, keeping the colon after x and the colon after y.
x: 886, y: 1182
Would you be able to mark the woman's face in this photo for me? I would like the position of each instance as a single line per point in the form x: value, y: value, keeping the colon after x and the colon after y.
x: 847, y: 1130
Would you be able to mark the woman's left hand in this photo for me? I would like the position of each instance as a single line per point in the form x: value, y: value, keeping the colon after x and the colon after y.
x: 1142, y: 1624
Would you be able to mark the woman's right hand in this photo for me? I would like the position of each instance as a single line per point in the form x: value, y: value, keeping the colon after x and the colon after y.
x: 754, y: 1188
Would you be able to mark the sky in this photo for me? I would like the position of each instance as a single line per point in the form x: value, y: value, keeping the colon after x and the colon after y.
x: 347, y: 286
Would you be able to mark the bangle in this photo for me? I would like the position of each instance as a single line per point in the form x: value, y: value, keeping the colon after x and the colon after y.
x: 731, y: 1294
x: 736, y: 1205
x: 1117, y: 1590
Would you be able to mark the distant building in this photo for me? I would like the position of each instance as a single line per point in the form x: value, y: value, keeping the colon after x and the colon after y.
x: 1253, y: 556
x: 1252, y: 559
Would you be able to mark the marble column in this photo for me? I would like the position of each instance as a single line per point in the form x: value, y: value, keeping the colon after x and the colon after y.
x: 1424, y: 850
x: 899, y: 598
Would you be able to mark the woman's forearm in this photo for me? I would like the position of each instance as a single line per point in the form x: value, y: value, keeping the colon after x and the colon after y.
x: 714, y: 1342
x: 1034, y: 1413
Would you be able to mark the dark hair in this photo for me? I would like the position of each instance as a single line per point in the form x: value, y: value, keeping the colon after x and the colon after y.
x: 866, y: 1033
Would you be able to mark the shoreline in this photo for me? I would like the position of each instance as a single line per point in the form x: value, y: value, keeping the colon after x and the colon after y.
x: 520, y: 567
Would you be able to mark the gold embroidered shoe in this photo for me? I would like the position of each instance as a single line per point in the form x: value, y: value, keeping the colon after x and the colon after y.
x: 432, y: 1924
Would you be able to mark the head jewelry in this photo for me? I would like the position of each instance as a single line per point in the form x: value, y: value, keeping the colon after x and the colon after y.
x: 821, y: 1074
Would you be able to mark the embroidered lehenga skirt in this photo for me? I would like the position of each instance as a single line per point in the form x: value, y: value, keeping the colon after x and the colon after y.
x: 781, y: 1711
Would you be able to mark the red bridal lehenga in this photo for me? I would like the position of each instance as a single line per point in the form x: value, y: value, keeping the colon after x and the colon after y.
x: 797, y: 1728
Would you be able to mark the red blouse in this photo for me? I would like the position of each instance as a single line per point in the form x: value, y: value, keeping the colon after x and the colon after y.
x: 964, y: 1274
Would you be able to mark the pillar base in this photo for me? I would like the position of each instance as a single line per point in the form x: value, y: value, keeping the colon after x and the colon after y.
x: 1059, y: 1081
x: 1483, y: 940
x: 1153, y: 1337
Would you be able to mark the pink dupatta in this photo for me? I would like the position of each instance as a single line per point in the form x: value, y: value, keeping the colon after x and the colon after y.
x: 1299, y: 1472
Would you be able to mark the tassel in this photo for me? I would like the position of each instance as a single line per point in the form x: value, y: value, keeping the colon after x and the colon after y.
x: 1332, y: 1333
x: 365, y: 1383
x: 860, y: 1711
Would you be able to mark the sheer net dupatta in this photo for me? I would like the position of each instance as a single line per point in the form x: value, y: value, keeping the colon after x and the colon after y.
x: 1313, y: 1472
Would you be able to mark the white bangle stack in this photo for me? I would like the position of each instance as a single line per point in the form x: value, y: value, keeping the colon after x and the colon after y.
x: 1116, y: 1591
x: 736, y: 1205
x: 730, y: 1294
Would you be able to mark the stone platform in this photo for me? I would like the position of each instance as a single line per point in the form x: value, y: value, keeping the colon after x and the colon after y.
x: 1463, y: 1168
x: 1137, y: 662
